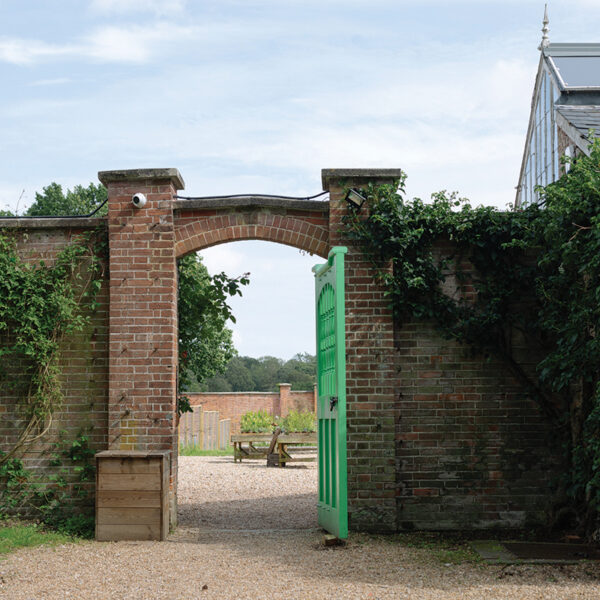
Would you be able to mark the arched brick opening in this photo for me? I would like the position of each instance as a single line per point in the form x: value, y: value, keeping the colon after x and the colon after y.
x: 301, y: 224
x: 144, y: 244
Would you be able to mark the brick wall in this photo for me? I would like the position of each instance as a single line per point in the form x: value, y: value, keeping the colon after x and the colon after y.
x: 83, y: 362
x: 371, y: 362
x: 472, y: 448
x: 437, y: 438
x: 232, y: 405
x: 143, y: 314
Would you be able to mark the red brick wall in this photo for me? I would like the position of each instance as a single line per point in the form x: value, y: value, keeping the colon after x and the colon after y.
x: 83, y: 364
x: 143, y: 312
x: 473, y: 450
x: 370, y: 371
x: 437, y: 438
x: 232, y: 405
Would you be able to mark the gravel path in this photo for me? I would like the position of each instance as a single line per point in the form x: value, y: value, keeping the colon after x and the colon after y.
x: 215, y: 493
x: 246, y: 532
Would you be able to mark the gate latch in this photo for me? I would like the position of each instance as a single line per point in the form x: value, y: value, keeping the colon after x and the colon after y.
x: 333, y: 400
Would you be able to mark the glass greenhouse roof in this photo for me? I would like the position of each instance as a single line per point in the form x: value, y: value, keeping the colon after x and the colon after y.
x: 578, y: 71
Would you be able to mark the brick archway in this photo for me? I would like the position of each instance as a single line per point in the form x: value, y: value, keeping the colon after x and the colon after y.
x: 303, y: 224
x: 144, y: 244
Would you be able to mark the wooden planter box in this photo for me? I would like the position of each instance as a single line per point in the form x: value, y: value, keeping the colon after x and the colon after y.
x: 132, y: 495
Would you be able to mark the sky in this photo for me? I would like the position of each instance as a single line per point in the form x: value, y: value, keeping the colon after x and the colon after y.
x: 246, y: 96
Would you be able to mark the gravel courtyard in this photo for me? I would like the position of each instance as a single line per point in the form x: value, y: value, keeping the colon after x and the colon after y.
x: 215, y: 493
x: 249, y: 532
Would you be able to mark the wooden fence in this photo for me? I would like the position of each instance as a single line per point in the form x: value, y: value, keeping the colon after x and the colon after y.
x: 204, y: 429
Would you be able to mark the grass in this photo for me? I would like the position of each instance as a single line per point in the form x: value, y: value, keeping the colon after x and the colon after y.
x: 27, y: 535
x: 197, y: 451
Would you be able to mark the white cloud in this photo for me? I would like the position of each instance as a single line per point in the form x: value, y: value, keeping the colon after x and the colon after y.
x: 45, y: 82
x: 21, y: 51
x: 132, y: 44
x: 224, y: 257
x: 158, y: 7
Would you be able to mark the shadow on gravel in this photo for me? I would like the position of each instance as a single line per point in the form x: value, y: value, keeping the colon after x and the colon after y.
x: 290, y: 511
x: 259, y: 464
x: 395, y: 569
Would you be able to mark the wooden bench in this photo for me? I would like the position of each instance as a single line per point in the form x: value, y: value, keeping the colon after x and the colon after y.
x: 294, y: 439
x: 250, y: 451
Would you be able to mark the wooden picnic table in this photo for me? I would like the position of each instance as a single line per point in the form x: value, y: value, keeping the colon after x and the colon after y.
x: 284, y: 440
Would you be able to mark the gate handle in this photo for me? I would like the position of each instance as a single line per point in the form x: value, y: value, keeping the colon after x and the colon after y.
x: 333, y: 400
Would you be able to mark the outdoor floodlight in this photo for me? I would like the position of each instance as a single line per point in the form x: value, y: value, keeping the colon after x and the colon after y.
x: 354, y: 199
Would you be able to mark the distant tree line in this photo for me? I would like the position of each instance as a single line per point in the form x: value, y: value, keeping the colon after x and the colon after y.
x: 246, y: 374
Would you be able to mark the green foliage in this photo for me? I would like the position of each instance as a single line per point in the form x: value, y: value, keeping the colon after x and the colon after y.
x: 257, y: 422
x: 205, y: 344
x: 40, y: 304
x: 58, y: 499
x: 183, y: 405
x: 191, y: 450
x: 78, y: 201
x: 485, y: 276
x: 262, y: 422
x: 21, y: 535
x: 298, y: 422
x: 16, y: 480
x: 246, y: 374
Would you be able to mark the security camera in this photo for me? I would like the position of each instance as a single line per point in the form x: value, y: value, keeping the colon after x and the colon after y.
x: 138, y: 200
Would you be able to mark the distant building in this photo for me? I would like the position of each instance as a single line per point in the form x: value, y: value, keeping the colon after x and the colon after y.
x: 564, y: 108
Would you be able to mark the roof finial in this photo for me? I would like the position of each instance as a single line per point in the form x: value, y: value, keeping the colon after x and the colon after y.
x: 545, y: 41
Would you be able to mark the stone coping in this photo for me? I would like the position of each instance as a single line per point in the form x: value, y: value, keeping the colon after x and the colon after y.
x: 133, y: 175
x: 329, y: 176
x: 252, y: 201
x: 53, y: 222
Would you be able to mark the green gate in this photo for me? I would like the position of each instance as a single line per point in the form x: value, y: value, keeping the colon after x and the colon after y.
x: 331, y: 386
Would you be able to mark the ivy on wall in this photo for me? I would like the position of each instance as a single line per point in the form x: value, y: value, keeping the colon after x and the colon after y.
x: 40, y: 304
x: 486, y: 278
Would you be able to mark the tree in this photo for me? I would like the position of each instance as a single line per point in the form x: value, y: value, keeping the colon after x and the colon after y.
x: 300, y: 371
x: 78, y: 201
x: 205, y: 343
x: 247, y: 374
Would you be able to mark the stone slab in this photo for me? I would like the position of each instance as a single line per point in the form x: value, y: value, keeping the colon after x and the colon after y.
x: 509, y: 553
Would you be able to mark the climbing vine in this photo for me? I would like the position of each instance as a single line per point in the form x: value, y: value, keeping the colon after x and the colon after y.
x: 484, y: 277
x: 40, y: 304
x: 59, y: 497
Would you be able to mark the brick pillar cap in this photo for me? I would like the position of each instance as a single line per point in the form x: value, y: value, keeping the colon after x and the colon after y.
x: 332, y: 176
x: 133, y: 175
x: 284, y: 384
